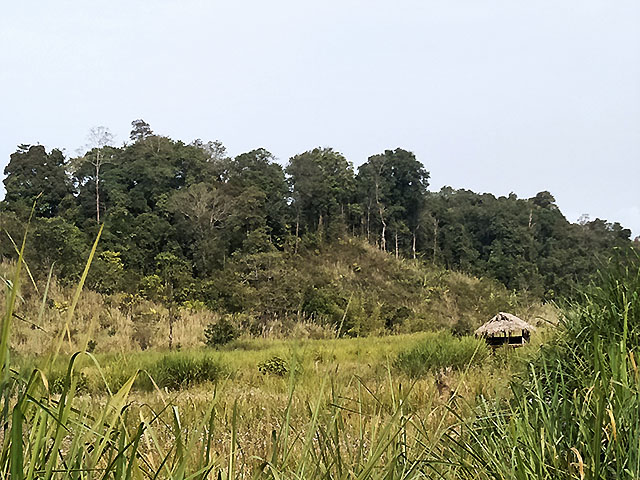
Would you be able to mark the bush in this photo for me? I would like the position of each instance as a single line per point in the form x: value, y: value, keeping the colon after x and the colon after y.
x: 58, y: 381
x: 462, y: 328
x: 274, y: 366
x: 219, y: 333
x: 440, y: 351
x: 179, y: 371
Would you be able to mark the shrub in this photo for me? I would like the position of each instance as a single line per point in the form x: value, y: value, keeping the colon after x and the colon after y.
x: 274, y: 366
x: 58, y: 381
x: 179, y: 371
x: 462, y: 328
x: 440, y: 351
x: 219, y: 333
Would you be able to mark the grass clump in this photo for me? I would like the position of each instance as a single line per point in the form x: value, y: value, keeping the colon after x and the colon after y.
x: 177, y: 371
x: 441, y: 350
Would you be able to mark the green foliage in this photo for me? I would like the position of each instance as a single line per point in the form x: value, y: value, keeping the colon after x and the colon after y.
x: 274, y: 366
x: 176, y: 372
x: 33, y: 173
x: 107, y: 274
x: 243, y: 220
x: 220, y: 333
x: 322, y: 184
x: 57, y: 383
x: 440, y: 351
x: 463, y: 327
x: 60, y: 244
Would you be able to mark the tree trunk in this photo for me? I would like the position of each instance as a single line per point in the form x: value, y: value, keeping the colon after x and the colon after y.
x: 530, y: 218
x: 97, y: 179
x: 435, y: 239
x: 320, y: 231
x: 295, y: 248
x: 171, y: 320
x: 396, y: 244
x: 413, y: 245
x: 384, y: 224
x: 368, y: 222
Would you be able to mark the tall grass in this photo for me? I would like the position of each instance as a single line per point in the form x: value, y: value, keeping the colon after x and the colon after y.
x: 52, y: 430
x: 577, y: 412
x: 48, y: 435
x: 442, y: 350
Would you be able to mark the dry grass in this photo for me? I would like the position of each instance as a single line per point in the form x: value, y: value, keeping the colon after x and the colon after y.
x: 354, y: 378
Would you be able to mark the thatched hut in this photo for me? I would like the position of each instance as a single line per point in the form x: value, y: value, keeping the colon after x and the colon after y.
x: 505, y: 329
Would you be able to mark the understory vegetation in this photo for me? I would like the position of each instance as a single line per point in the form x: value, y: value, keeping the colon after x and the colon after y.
x: 350, y: 289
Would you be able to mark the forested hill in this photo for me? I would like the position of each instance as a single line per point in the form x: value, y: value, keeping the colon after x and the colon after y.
x: 187, y: 214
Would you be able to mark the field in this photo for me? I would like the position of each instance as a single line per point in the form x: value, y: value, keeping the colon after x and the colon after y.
x: 318, y: 404
x: 406, y: 406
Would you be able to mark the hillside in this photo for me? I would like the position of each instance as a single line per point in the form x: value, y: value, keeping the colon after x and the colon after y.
x: 348, y: 288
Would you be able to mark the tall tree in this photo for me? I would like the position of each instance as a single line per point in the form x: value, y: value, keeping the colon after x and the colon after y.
x: 322, y: 184
x: 395, y: 182
x: 201, y: 211
x: 258, y: 170
x: 96, y: 156
x: 140, y: 130
x: 32, y: 172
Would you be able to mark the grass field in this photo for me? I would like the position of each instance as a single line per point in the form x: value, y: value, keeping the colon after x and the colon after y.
x: 422, y: 405
x: 354, y: 386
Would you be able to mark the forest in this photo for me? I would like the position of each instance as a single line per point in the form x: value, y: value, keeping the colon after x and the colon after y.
x: 188, y: 223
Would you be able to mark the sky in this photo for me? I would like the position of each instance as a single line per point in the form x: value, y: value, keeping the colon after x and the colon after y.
x: 493, y: 96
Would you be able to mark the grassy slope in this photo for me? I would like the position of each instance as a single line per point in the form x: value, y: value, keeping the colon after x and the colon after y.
x: 349, y: 286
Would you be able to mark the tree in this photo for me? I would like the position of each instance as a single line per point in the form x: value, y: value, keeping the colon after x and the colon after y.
x: 33, y: 173
x: 322, y: 184
x: 395, y: 182
x: 172, y: 275
x: 211, y: 164
x: 140, y: 130
x: 545, y: 200
x: 59, y: 244
x: 96, y: 156
x: 256, y: 174
x: 202, y: 211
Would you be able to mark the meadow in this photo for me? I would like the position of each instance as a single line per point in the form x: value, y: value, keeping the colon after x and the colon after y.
x: 419, y: 405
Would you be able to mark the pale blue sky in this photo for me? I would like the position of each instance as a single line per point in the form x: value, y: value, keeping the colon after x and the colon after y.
x: 491, y: 95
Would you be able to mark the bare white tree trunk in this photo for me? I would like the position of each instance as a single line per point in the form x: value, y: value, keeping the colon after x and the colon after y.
x: 97, y: 165
x: 295, y: 249
x: 396, y: 244
x: 435, y: 239
x: 413, y: 245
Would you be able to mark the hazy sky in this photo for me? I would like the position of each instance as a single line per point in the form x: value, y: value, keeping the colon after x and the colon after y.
x: 499, y: 96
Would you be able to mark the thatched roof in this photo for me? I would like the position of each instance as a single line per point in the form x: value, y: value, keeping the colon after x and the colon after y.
x: 503, y: 323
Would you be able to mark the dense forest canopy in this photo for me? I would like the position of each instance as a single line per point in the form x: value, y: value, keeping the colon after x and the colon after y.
x: 178, y: 218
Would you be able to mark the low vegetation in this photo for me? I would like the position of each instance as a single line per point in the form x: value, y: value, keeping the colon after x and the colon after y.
x: 348, y: 289
x: 401, y: 406
x: 314, y: 354
x: 440, y: 351
x: 206, y: 413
